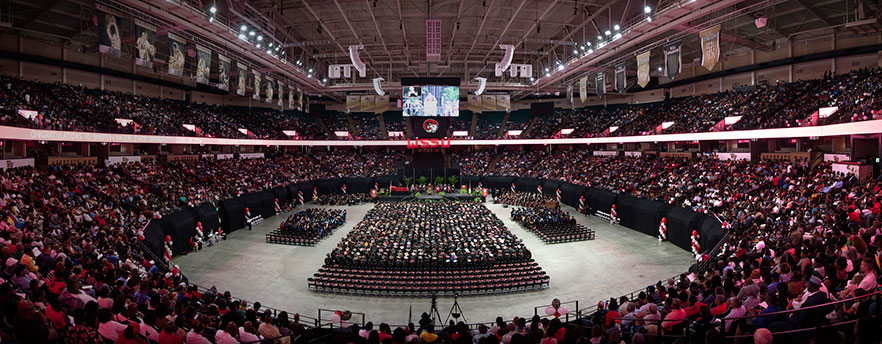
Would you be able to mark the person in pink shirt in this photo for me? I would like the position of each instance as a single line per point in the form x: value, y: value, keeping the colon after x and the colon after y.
x: 676, y: 316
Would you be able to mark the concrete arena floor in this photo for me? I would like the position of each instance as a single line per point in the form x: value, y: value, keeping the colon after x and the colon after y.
x: 618, y: 261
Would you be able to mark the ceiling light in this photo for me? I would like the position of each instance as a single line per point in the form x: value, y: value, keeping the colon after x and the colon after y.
x: 308, y: 75
x: 660, y: 68
x: 582, y: 47
x: 242, y: 36
x: 325, y: 80
x: 243, y: 27
x: 271, y: 44
x: 599, y: 37
x: 649, y: 19
x: 576, y: 51
x: 616, y: 27
x: 560, y: 67
x: 277, y: 48
x: 548, y: 74
x: 298, y: 62
x: 618, y: 35
x: 647, y: 10
x: 213, y: 9
x: 532, y: 79
x: 260, y: 37
x: 590, y: 51
x: 210, y: 19
x: 546, y: 69
x: 258, y: 45
x: 588, y: 43
x: 269, y: 51
x: 252, y: 33
x: 607, y: 32
x: 310, y: 70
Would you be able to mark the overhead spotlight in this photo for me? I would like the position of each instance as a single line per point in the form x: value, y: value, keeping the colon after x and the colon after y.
x: 271, y: 44
x: 308, y: 75
x: 647, y: 10
x: 268, y: 51
x: 532, y: 79
x: 618, y: 35
x: 582, y: 47
x: 607, y: 32
x: 258, y: 45
x: 588, y: 43
x: 599, y: 37
x: 547, y: 74
x: 211, y: 19
x: 649, y: 19
x: 213, y: 10
x: 298, y: 62
x: 277, y: 48
x: 560, y: 67
x: 590, y: 51
x: 616, y: 27
x: 576, y: 51
x: 242, y: 36
x: 547, y: 69
x: 243, y: 27
x: 660, y: 68
x: 260, y: 37
x: 251, y: 33
x: 310, y: 70
x: 325, y: 80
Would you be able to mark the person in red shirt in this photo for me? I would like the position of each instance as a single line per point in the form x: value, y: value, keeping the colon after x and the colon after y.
x: 720, y: 306
x: 613, y: 313
x: 170, y: 335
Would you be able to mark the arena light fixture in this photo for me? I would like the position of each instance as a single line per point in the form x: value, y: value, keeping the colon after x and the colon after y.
x: 532, y: 79
x: 590, y: 51
x: 213, y: 10
x: 325, y: 80
x: 617, y: 36
x: 588, y: 43
x: 649, y: 19
x: 616, y: 27
x: 576, y: 51
x: 211, y: 19
x: 607, y: 32
x: 647, y: 10
x: 258, y: 45
x: 242, y: 36
x: 259, y: 37
x: 560, y: 67
x: 547, y: 74
x: 599, y: 37
x: 243, y: 27
x: 269, y: 51
x: 582, y: 48
x: 660, y: 68
x: 251, y: 33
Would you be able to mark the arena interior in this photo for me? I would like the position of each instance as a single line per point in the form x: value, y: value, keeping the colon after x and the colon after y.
x: 440, y: 171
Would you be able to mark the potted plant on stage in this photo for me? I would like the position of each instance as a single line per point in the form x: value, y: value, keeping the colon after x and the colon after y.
x: 453, y: 180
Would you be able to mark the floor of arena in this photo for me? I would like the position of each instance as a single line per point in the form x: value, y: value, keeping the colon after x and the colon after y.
x: 617, y: 262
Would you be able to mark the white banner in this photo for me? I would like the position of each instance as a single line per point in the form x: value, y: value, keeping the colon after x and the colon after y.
x: 13, y: 163
x: 113, y: 160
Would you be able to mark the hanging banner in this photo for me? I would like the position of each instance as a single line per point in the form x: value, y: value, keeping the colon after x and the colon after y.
x: 643, y: 69
x: 672, y: 60
x: 299, y: 100
x: 203, y: 64
x: 290, y: 97
x: 621, y: 78
x: 488, y: 102
x: 710, y: 46
x: 475, y: 103
x: 600, y: 85
x: 503, y: 101
x: 223, y: 72
x: 367, y: 103
x: 381, y: 104
x: 109, y: 34
x: 176, y: 47
x: 570, y: 94
x: 583, y: 89
x: 257, y: 83
x: 269, y: 89
x: 243, y: 77
x: 145, y: 43
x: 281, y: 95
x: 352, y: 103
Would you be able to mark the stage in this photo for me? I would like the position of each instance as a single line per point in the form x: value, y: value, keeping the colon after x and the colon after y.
x: 619, y: 261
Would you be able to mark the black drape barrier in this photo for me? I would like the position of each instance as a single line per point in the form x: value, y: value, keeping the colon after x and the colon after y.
x: 549, y: 187
x: 306, y: 187
x: 527, y: 184
x: 498, y: 182
x: 328, y: 186
x: 383, y: 181
x: 570, y: 194
x: 471, y: 180
x: 154, y: 238
x: 358, y: 184
x: 232, y: 213
x: 206, y: 214
x: 711, y: 232
x: 600, y: 200
x: 253, y: 203
x: 293, y: 193
x: 639, y: 214
x: 681, y: 223
x: 268, y: 206
x: 280, y: 193
x: 181, y: 226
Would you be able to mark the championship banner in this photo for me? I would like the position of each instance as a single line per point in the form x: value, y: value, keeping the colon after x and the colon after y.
x: 621, y: 78
x: 381, y: 104
x: 281, y: 94
x: 367, y: 103
x: 243, y: 79
x: 503, y: 101
x: 475, y: 103
x: 488, y: 102
x: 672, y: 60
x: 299, y: 100
x: 570, y: 94
x: 352, y: 103
x: 600, y: 85
x: 145, y: 43
x: 109, y: 34
x: 710, y: 46
x: 269, y: 89
x: 176, y: 47
x: 290, y: 97
x: 203, y: 64
x: 223, y: 72
x: 257, y: 83
x: 583, y: 89
x: 643, y: 69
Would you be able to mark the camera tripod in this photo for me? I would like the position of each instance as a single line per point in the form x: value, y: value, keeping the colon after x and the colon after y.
x: 455, y: 311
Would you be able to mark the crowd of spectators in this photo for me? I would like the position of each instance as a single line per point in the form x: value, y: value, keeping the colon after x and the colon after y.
x: 472, y: 163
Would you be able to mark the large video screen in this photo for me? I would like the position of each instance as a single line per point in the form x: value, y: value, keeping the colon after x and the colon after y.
x: 430, y: 101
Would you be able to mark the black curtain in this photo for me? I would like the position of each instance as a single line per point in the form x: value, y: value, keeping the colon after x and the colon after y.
x: 383, y: 181
x: 281, y: 193
x: 358, y: 184
x: 600, y: 200
x: 681, y: 223
x: 306, y: 187
x: 232, y: 213
x: 268, y: 205
x: 208, y: 215
x: 154, y: 238
x: 527, y: 184
x: 498, y: 182
x: 471, y: 180
x: 181, y: 226
x: 549, y: 187
x: 328, y: 186
x: 570, y: 194
x: 639, y: 214
x: 711, y: 232
x: 293, y: 193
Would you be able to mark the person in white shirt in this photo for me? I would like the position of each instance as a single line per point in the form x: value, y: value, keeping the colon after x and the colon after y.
x: 108, y: 328
x: 195, y: 335
x: 227, y: 336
